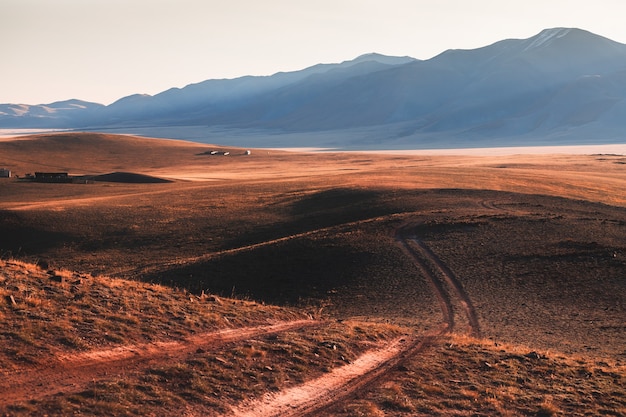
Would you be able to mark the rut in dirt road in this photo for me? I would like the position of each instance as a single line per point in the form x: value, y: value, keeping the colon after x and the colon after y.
x: 454, y: 283
x: 73, y: 374
x: 440, y: 277
x: 437, y: 285
x: 325, y: 393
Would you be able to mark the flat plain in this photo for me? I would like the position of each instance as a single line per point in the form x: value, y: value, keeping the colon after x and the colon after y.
x: 483, y: 284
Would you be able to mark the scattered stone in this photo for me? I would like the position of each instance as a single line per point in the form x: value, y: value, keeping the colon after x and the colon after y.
x: 329, y: 345
x: 268, y: 368
x: 43, y: 264
x: 56, y: 278
x: 221, y: 360
x: 533, y: 355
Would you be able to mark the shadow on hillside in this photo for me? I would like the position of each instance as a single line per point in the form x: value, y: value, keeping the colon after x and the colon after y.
x: 289, y: 273
x: 128, y: 178
x: 19, y: 239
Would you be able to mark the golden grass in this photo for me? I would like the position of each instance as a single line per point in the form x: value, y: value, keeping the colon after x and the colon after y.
x: 83, y: 313
x: 466, y: 376
x: 46, y: 311
x: 235, y: 202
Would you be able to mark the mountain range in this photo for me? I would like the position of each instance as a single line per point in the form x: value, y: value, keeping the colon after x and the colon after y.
x: 561, y: 86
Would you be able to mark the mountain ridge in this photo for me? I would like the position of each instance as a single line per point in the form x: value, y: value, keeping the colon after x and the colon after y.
x: 563, y: 82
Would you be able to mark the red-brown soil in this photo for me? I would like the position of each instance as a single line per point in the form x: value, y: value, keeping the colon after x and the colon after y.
x: 526, y: 252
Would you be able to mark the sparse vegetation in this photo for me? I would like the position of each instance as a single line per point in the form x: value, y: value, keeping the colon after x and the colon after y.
x: 464, y: 376
x: 135, y: 275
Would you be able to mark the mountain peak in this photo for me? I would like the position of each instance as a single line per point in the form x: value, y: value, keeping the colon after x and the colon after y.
x: 546, y: 37
x: 383, y: 59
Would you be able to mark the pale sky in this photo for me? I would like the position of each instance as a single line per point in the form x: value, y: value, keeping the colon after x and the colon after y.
x: 102, y: 50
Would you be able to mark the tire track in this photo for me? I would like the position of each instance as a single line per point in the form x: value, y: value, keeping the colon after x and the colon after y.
x: 454, y: 283
x: 440, y: 277
x: 72, y: 374
x: 437, y: 285
x: 164, y: 266
x: 75, y: 374
x: 342, y: 384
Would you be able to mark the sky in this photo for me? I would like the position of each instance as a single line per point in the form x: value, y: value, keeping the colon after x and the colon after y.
x: 103, y: 50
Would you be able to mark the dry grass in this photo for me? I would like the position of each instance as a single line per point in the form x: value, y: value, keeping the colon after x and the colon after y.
x: 47, y: 311
x: 537, y: 242
x: 60, y: 313
x: 468, y: 377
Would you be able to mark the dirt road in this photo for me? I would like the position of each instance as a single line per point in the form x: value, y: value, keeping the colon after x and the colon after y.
x: 74, y: 373
x: 373, y: 367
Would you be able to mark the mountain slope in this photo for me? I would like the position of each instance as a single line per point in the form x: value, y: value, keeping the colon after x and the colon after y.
x: 562, y: 82
x: 57, y: 114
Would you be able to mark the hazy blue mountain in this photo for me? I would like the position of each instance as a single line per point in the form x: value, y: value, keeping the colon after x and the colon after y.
x: 193, y: 102
x: 561, y: 85
x: 521, y: 84
x: 57, y: 114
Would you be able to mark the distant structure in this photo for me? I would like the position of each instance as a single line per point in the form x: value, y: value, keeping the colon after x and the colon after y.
x: 247, y: 152
x: 5, y: 173
x: 226, y: 153
x: 52, y: 177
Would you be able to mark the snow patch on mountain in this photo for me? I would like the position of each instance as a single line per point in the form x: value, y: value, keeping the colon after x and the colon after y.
x: 546, y: 36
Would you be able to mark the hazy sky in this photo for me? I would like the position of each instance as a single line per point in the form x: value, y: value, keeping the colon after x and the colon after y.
x: 102, y: 50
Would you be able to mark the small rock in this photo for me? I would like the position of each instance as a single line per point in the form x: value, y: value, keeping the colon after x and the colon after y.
x: 56, y: 278
x: 533, y: 355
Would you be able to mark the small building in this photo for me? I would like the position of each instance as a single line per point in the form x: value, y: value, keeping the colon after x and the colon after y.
x: 5, y: 173
x: 52, y: 177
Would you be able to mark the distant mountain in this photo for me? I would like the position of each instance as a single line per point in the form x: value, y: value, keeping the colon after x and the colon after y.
x: 561, y: 85
x: 60, y: 113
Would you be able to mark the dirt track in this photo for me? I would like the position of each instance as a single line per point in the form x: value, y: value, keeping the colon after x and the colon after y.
x: 585, y: 178
x: 74, y: 373
x: 341, y: 384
